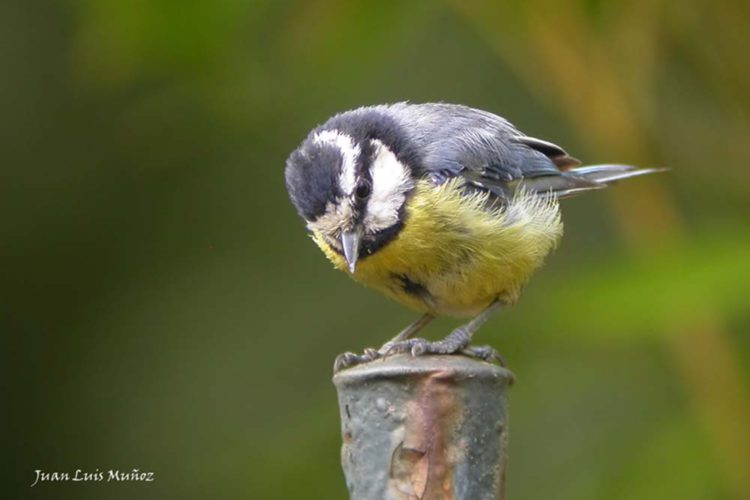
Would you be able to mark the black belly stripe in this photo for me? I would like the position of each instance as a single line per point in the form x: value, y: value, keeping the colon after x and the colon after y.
x: 413, y: 288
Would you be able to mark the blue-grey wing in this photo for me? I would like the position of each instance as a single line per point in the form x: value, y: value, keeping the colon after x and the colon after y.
x: 486, y: 150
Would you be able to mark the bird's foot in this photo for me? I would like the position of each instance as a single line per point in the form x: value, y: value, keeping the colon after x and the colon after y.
x: 421, y: 347
x: 455, y: 343
x: 349, y: 359
x: 484, y: 353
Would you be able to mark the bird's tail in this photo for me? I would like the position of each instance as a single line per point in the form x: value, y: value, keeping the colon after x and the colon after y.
x: 609, y: 173
x: 582, y: 179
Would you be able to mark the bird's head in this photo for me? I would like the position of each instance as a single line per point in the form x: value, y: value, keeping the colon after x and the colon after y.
x: 350, y: 190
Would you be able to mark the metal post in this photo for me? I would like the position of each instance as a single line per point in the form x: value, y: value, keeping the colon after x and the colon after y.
x: 424, y: 428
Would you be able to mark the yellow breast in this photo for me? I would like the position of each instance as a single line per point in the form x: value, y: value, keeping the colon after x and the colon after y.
x: 454, y: 256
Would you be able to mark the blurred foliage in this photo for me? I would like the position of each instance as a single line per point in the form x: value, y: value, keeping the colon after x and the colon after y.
x: 162, y: 309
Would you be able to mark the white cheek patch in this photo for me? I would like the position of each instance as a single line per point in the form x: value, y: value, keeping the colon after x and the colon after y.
x: 391, y: 181
x: 350, y: 153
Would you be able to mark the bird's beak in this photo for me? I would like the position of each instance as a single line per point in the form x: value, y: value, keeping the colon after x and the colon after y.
x: 350, y: 244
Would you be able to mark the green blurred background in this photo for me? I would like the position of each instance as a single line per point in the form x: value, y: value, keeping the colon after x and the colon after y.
x: 162, y: 308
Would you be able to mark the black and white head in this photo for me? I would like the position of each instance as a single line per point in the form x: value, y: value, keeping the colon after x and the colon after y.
x: 350, y: 180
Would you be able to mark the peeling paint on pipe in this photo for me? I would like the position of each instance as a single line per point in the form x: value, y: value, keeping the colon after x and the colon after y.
x: 424, y: 428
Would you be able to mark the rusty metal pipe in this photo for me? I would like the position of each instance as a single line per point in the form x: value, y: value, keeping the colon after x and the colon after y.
x: 424, y: 428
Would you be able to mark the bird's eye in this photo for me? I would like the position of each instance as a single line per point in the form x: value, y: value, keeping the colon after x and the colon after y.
x: 362, y: 191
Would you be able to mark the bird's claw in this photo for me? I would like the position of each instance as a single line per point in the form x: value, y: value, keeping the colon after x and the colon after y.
x: 484, y: 353
x: 349, y: 359
x: 420, y: 347
x: 415, y: 347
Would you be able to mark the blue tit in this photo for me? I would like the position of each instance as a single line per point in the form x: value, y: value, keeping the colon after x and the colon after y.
x: 444, y: 208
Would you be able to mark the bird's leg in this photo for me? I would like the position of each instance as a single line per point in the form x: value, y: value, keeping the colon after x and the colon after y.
x: 457, y: 341
x: 349, y: 358
x: 407, y: 332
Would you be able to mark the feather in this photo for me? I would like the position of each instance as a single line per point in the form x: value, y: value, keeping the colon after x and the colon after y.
x: 610, y: 173
x: 558, y: 155
x: 582, y: 179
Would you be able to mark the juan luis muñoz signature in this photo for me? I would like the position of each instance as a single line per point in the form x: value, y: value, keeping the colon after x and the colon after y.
x: 133, y: 475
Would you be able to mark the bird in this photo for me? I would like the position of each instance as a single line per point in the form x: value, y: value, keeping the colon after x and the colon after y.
x: 445, y: 208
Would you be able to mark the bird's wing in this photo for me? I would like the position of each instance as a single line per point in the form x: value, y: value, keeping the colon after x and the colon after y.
x: 487, y: 151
